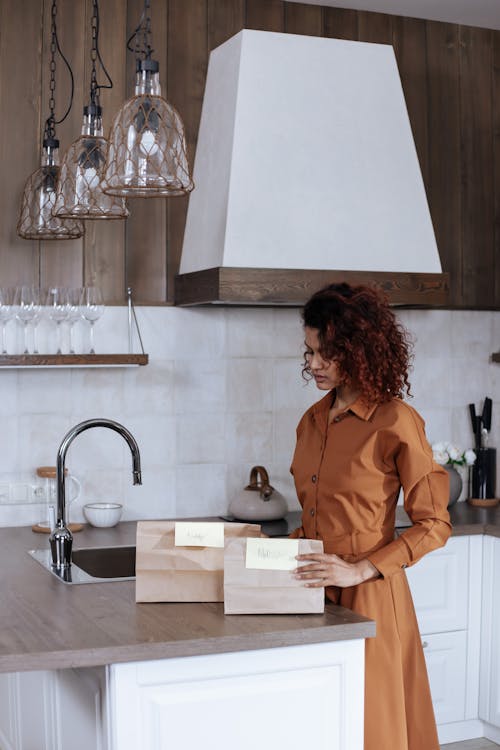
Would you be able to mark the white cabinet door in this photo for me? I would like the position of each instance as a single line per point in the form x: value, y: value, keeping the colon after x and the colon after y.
x: 52, y: 710
x: 295, y: 697
x: 439, y: 586
x: 489, y: 703
x: 445, y: 656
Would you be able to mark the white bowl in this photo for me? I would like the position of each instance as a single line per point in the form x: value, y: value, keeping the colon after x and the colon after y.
x: 103, y: 515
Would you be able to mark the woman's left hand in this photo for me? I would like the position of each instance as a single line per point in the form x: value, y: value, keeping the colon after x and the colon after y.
x: 331, y: 570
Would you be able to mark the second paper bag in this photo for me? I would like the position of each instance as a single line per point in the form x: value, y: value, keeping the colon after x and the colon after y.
x: 264, y: 590
x: 183, y: 573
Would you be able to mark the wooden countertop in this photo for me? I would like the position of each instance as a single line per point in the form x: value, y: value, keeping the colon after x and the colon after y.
x: 46, y: 624
x: 465, y: 519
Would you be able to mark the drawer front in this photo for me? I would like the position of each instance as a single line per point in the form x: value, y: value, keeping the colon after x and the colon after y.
x: 439, y: 586
x: 445, y: 656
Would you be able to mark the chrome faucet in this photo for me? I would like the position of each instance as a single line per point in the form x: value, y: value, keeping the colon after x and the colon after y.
x: 61, y: 539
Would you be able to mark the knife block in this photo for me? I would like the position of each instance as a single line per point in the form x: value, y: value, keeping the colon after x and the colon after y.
x: 482, y: 479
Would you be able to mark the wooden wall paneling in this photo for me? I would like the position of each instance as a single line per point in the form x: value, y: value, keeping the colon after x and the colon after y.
x: 61, y: 261
x: 225, y: 19
x: 267, y: 15
x: 339, y: 23
x: 496, y: 160
x: 187, y: 70
x: 444, y: 173
x: 104, y: 242
x: 146, y: 227
x: 303, y: 19
x: 478, y: 232
x: 20, y: 137
x: 374, y: 27
x: 409, y: 41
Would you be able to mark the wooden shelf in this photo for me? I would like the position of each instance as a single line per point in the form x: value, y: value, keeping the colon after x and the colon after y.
x: 73, y: 360
x: 292, y: 288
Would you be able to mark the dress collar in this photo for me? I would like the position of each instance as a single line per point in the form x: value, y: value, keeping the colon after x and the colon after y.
x: 361, y: 408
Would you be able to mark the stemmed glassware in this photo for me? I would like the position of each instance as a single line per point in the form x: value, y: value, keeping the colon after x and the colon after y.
x: 74, y: 314
x: 58, y: 310
x: 6, y: 312
x: 28, y: 309
x: 91, y: 308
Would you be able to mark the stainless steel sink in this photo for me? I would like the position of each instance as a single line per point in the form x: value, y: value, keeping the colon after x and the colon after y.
x: 92, y: 564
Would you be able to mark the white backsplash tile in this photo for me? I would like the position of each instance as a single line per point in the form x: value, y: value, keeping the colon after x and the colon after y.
x: 199, y: 386
x: 247, y: 333
x: 200, y: 490
x: 249, y: 385
x: 44, y: 391
x: 201, y: 438
x: 249, y: 437
x: 223, y: 392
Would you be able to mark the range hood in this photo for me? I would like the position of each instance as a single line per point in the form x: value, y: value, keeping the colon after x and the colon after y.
x: 306, y: 173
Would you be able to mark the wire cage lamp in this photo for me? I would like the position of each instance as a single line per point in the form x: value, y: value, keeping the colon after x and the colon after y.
x: 147, y: 147
x: 36, y: 220
x: 80, y: 187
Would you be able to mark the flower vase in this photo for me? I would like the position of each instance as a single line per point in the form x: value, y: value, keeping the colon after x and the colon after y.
x: 455, y: 484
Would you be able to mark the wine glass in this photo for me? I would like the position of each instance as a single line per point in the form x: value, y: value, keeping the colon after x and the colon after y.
x: 28, y: 308
x: 58, y: 310
x: 91, y: 308
x: 6, y: 312
x: 74, y: 313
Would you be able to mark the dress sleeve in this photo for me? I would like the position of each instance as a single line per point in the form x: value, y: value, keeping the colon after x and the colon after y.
x: 426, y: 490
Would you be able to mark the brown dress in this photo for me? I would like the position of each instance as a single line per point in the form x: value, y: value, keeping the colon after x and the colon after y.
x: 348, y: 476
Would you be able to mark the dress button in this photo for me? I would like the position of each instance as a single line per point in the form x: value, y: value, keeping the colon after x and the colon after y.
x: 312, y: 511
x: 314, y: 478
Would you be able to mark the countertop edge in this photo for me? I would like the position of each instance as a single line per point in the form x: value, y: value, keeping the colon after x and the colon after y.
x: 203, y: 647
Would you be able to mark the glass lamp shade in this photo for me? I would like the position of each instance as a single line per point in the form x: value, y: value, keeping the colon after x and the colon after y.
x: 79, y: 189
x: 36, y: 221
x: 147, y: 147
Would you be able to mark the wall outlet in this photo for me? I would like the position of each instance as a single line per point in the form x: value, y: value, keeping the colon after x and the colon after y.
x: 21, y: 493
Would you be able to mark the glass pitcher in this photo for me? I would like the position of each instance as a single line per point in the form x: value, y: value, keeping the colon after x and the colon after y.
x: 73, y: 489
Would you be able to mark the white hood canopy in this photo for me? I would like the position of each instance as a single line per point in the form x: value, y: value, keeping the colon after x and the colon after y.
x: 305, y: 160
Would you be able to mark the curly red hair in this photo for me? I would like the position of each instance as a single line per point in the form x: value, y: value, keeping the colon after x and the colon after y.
x: 358, y: 330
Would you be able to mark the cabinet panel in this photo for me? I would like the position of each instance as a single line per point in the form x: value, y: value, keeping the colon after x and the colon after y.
x: 445, y: 656
x: 439, y: 585
x: 240, y: 698
x: 489, y: 704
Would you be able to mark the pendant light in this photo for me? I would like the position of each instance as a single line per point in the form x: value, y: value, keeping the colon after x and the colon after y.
x: 79, y: 190
x: 36, y: 221
x: 147, y: 147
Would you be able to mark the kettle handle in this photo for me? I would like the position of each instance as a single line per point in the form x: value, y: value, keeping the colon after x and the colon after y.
x: 259, y: 480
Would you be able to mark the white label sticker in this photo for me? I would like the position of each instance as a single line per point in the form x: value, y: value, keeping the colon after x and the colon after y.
x: 199, y: 534
x: 272, y: 554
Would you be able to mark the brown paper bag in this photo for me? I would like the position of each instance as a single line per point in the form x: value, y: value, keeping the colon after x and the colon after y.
x: 166, y: 573
x: 251, y: 591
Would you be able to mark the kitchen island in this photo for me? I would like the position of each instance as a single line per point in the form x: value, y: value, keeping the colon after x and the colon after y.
x: 95, y: 669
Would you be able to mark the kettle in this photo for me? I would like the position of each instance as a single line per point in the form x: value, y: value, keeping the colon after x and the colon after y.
x: 259, y: 501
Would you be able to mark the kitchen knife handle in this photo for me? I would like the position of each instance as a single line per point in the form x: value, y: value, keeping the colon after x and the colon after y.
x: 486, y: 415
x: 472, y: 410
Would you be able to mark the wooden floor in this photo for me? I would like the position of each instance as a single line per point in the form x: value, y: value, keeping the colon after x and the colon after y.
x: 480, y: 744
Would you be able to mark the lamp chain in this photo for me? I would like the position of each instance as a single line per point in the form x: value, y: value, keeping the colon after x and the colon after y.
x: 51, y: 122
x: 142, y: 35
x: 50, y: 125
x: 95, y: 56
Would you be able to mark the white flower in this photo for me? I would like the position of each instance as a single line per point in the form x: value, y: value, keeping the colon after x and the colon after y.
x: 440, y: 457
x: 453, y: 452
x: 439, y: 447
x: 446, y: 453
x: 470, y: 457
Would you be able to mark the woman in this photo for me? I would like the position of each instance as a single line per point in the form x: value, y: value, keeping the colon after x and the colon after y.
x: 356, y: 448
